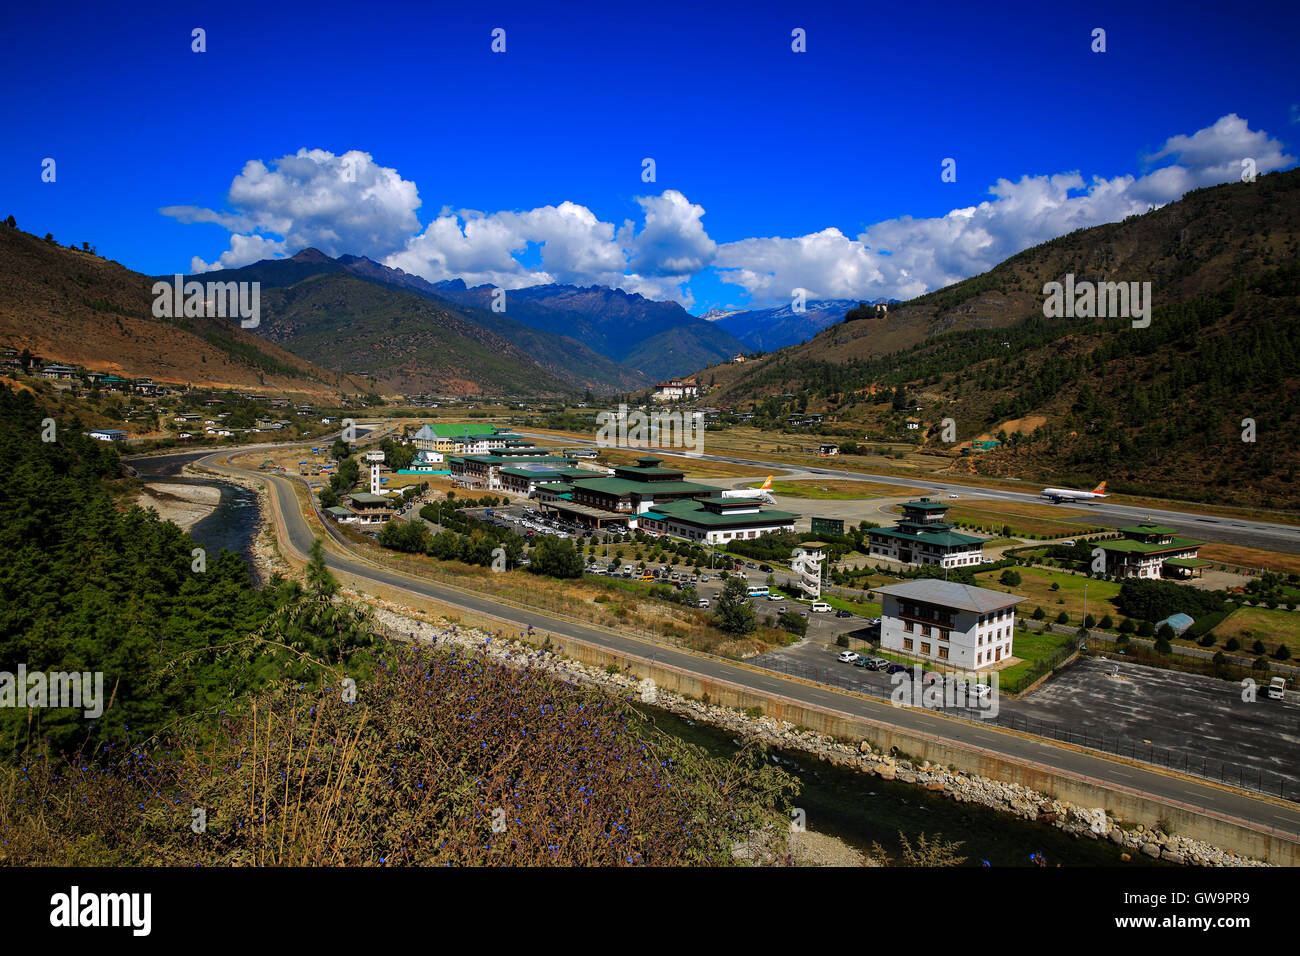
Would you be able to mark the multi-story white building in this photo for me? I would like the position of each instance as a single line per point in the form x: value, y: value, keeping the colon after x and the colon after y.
x: 957, y: 624
x: 924, y: 536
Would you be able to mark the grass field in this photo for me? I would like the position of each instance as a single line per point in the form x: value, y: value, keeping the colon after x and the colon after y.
x: 1035, y: 585
x: 1022, y: 519
x: 836, y: 489
x: 1249, y: 624
x: 1251, y: 557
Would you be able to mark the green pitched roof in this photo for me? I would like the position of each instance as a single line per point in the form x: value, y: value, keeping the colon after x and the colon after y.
x: 1148, y: 528
x: 694, y: 512
x: 1129, y: 546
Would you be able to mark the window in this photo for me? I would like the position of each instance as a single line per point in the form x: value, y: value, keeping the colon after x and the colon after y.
x: 943, y: 653
x: 907, y: 643
x: 925, y: 648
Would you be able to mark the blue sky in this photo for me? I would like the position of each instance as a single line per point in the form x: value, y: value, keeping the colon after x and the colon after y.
x: 774, y: 169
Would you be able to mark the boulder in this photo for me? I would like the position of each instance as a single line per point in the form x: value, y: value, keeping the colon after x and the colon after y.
x: 1152, y: 850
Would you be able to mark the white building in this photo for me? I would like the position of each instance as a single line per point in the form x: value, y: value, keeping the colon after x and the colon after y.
x: 375, y: 458
x: 676, y: 390
x: 959, y: 624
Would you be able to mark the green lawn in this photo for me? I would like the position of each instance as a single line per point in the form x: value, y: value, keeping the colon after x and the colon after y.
x: 1249, y: 624
x: 1035, y: 585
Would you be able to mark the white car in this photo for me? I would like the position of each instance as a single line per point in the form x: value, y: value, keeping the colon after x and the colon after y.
x: 820, y: 606
x: 704, y: 602
x: 847, y: 657
x: 954, y: 496
x: 774, y: 597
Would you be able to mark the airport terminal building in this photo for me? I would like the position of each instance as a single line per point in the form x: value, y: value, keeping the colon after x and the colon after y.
x: 923, y: 536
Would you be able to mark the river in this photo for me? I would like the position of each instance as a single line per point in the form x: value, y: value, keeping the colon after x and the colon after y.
x: 232, y: 523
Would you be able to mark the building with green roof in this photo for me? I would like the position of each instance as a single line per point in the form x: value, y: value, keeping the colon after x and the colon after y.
x: 924, y: 536
x: 660, y: 500
x: 1150, y: 550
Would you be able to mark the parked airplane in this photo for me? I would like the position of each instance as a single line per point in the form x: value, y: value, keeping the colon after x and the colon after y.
x: 1065, y: 494
x: 763, y: 492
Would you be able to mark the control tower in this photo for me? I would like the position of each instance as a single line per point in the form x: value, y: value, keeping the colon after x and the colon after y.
x: 374, y: 459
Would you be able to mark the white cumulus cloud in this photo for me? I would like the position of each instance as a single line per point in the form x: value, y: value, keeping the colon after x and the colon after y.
x: 904, y: 257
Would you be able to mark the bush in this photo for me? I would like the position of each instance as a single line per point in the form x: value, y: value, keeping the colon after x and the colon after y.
x: 1127, y: 626
x: 1010, y: 578
x: 1039, y: 613
x: 1163, y: 646
x: 1062, y: 618
x: 1282, y: 653
x: 1232, y: 644
x: 1146, y: 629
x: 841, y: 641
x: 1207, y: 639
x: 1106, y: 623
x: 1258, y: 647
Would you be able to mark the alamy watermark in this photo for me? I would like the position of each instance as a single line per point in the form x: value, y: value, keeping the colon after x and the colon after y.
x: 82, y: 690
x: 935, y: 691
x: 658, y: 429
x: 1098, y: 300
x: 225, y: 300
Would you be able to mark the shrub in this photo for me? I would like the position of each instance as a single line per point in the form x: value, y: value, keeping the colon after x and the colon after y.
x: 1232, y: 644
x: 1062, y: 618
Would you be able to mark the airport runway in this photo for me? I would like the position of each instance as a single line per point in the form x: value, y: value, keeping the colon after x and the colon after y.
x: 1238, y: 531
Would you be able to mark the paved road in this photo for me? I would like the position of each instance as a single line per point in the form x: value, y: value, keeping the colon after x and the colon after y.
x: 1283, y: 820
x: 1239, y: 531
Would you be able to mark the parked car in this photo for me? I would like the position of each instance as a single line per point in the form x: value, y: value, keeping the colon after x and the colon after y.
x: 821, y: 606
x: 877, y: 663
x: 781, y: 609
x: 764, y: 567
x: 895, y: 669
x: 843, y: 613
x: 863, y: 662
x: 750, y: 564
x: 773, y: 597
x: 847, y: 657
x: 704, y: 602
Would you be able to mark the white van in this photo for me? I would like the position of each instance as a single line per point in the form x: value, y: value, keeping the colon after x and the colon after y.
x: 820, y: 606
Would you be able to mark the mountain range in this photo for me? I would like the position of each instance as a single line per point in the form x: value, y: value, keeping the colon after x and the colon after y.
x: 549, y: 340
x: 766, y: 330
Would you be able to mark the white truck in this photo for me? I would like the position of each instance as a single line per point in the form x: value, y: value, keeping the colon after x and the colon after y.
x: 1277, y: 688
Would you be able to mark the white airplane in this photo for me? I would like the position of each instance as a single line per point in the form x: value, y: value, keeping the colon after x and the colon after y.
x: 1065, y: 494
x: 763, y: 492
